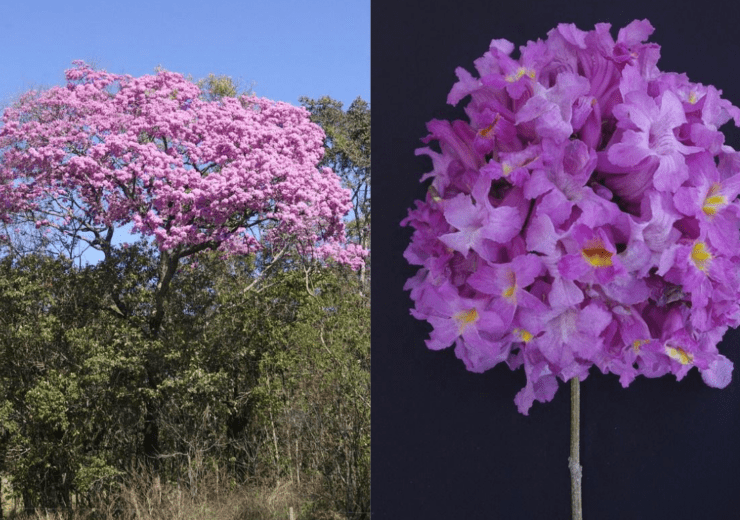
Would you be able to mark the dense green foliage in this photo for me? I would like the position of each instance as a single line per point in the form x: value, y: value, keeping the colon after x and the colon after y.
x: 273, y: 384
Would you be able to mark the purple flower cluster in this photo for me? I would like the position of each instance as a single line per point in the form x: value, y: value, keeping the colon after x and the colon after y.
x: 585, y: 215
x: 112, y: 150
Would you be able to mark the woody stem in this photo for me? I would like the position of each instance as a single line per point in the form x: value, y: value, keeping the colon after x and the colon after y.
x: 574, y: 461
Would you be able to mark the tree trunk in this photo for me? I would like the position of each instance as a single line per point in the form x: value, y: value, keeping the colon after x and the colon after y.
x: 151, y: 438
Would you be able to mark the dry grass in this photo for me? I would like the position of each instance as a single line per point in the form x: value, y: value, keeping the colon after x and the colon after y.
x: 143, y: 497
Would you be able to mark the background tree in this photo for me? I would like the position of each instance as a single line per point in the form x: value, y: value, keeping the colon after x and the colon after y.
x: 347, y: 144
x: 217, y: 86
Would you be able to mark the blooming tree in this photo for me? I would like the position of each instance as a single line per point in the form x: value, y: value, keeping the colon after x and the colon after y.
x: 584, y: 215
x: 229, y: 174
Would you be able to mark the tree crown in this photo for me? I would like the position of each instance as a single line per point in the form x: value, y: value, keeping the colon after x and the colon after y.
x: 233, y: 174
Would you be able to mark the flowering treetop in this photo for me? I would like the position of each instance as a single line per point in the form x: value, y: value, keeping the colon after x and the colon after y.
x: 585, y: 214
x: 108, y: 150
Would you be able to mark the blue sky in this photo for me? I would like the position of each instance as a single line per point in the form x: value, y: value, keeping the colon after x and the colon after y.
x: 288, y: 48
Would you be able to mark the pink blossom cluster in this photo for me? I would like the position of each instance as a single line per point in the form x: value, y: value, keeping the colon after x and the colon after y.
x: 110, y: 149
x: 586, y: 214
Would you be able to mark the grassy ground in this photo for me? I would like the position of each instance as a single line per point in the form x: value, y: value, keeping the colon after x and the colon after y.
x: 148, y: 499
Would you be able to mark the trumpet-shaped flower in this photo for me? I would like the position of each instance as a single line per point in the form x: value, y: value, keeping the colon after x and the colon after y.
x: 649, y: 138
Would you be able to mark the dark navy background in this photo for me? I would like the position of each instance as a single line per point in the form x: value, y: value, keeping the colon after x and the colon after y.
x: 450, y: 444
